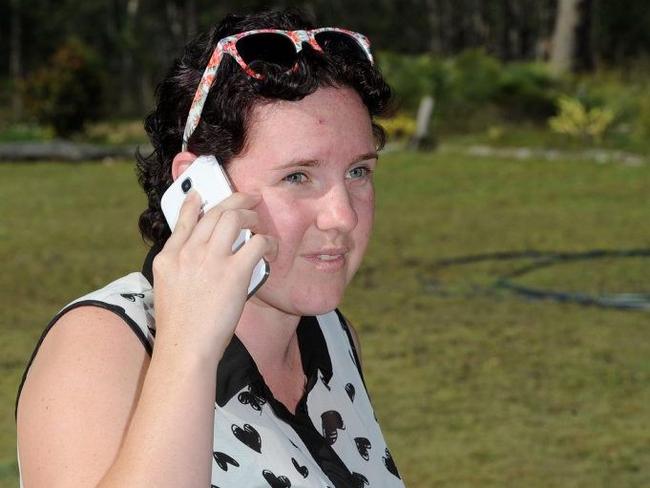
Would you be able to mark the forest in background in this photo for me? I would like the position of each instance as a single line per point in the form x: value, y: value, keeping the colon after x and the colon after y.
x: 486, y: 63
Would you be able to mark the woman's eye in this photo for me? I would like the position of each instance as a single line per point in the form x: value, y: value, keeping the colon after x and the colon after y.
x: 295, y: 178
x: 359, y: 172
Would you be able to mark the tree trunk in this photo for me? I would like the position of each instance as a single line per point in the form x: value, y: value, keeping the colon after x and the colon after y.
x: 563, y: 43
x: 506, y: 44
x: 423, y: 138
x: 547, y: 15
x: 128, y: 78
x: 174, y: 22
x: 15, y: 60
x: 584, y: 56
x: 435, y: 26
x: 190, y: 19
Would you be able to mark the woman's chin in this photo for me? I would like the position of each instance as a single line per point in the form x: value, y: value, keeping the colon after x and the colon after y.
x: 304, y: 301
x: 318, y: 308
x: 318, y: 300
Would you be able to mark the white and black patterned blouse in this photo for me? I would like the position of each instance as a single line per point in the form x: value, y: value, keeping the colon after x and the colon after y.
x: 333, y: 440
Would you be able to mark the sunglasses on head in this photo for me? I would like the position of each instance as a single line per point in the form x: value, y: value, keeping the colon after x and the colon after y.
x: 257, y: 50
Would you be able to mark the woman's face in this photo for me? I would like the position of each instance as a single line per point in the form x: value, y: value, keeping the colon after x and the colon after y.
x: 312, y: 161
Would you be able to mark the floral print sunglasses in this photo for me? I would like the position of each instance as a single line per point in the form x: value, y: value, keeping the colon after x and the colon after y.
x: 254, y: 48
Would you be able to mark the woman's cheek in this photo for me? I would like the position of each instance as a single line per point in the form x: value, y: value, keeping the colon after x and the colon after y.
x: 270, y: 213
x: 365, y: 209
x: 288, y: 221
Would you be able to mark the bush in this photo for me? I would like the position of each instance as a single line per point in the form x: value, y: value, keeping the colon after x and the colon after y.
x: 411, y: 77
x: 642, y: 126
x: 476, y: 77
x: 474, y: 91
x: 116, y: 132
x: 473, y: 88
x: 399, y: 128
x: 576, y: 120
x: 466, y: 91
x: 527, y: 91
x: 67, y: 92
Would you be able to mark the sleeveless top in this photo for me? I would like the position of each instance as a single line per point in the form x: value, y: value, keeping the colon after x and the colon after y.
x: 333, y: 439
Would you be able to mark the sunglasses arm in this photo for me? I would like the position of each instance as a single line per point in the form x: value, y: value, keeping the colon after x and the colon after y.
x: 201, y: 95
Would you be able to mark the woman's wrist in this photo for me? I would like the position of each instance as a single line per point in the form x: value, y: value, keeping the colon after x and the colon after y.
x: 183, y: 352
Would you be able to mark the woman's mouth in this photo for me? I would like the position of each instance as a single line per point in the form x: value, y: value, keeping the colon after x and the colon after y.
x: 329, y: 261
x: 328, y: 257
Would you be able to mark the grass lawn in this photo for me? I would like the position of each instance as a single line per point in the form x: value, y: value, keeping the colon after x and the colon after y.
x: 473, y: 385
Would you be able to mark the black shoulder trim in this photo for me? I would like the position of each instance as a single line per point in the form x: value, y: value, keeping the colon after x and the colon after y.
x: 119, y: 311
x: 346, y: 327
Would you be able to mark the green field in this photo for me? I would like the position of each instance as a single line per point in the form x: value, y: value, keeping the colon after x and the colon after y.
x: 474, y: 386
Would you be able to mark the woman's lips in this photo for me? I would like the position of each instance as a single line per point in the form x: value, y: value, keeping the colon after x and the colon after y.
x: 327, y: 261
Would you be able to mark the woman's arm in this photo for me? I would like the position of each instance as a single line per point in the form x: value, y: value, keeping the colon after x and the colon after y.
x: 170, y: 436
x: 93, y: 409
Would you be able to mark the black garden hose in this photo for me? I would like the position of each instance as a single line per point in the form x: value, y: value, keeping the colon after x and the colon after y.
x: 625, y: 301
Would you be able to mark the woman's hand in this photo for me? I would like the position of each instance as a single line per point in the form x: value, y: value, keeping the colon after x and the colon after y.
x: 200, y: 286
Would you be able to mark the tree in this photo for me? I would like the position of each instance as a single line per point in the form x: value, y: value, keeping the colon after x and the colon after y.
x: 67, y: 91
x: 15, y: 59
x: 571, y: 43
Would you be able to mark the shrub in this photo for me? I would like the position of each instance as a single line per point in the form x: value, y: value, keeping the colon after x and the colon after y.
x: 461, y: 86
x: 576, y: 120
x: 476, y: 76
x: 527, y: 91
x: 66, y: 92
x: 473, y: 89
x: 642, y: 126
x: 412, y: 77
x: 116, y: 132
x: 399, y: 128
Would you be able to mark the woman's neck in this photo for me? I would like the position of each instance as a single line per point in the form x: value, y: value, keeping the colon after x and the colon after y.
x: 270, y: 337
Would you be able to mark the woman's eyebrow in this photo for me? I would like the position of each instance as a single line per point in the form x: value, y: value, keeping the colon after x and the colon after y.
x: 365, y: 157
x: 299, y: 163
x: 309, y: 163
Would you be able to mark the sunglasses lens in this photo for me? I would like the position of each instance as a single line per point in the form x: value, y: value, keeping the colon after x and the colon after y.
x: 267, y: 47
x: 341, y: 44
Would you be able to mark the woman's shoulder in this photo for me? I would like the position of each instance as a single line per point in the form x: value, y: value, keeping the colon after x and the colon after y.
x: 129, y: 299
x: 87, y: 339
x: 88, y: 372
x: 113, y: 321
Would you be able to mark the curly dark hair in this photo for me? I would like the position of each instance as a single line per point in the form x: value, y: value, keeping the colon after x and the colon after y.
x: 222, y: 129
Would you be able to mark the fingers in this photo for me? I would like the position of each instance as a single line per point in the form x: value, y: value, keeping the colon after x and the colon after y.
x: 256, y: 248
x: 205, y: 228
x: 187, y: 218
x: 229, y: 227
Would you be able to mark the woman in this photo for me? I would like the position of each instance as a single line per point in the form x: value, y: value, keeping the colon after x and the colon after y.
x: 289, y: 114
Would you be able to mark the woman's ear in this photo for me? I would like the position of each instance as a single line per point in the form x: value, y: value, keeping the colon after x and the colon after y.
x: 180, y: 163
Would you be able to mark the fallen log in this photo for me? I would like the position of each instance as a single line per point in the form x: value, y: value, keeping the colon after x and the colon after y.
x: 66, y: 151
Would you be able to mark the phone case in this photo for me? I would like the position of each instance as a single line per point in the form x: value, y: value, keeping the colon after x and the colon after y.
x: 207, y: 177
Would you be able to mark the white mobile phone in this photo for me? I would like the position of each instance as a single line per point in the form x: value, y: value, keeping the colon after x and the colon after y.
x: 208, y: 178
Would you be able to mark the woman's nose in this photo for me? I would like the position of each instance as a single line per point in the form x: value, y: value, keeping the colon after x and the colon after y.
x: 336, y: 210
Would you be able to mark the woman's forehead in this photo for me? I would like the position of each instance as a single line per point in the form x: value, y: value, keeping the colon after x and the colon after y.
x: 328, y: 120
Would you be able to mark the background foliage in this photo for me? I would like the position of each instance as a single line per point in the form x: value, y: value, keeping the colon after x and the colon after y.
x: 135, y: 39
x: 67, y: 91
